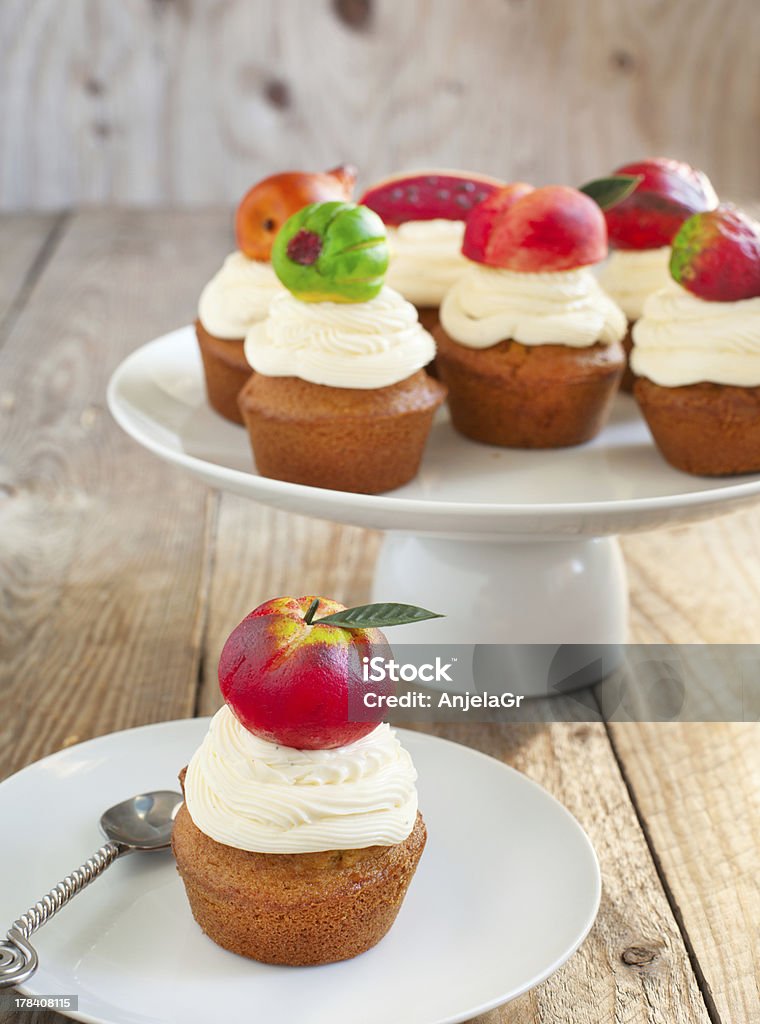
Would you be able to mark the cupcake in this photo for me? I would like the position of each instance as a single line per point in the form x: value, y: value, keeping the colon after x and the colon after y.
x: 640, y: 230
x: 425, y: 213
x: 696, y: 352
x: 339, y: 398
x: 529, y: 344
x: 238, y: 295
x: 297, y: 854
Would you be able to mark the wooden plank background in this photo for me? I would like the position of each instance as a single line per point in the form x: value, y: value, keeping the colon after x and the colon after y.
x: 187, y: 101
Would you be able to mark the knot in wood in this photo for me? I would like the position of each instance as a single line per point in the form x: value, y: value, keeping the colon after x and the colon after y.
x: 639, y: 956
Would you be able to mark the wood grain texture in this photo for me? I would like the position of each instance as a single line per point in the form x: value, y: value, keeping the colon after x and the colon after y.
x: 697, y: 789
x: 182, y: 101
x: 26, y: 242
x: 696, y: 584
x: 102, y: 583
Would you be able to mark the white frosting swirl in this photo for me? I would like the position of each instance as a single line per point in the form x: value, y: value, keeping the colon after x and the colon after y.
x: 425, y: 259
x: 245, y: 792
x: 631, y: 275
x: 237, y: 296
x: 682, y: 339
x: 341, y: 344
x: 489, y: 305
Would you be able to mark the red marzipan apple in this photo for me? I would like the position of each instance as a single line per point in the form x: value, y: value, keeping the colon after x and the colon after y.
x: 543, y: 229
x: 670, y: 191
x: 480, y: 222
x: 265, y: 208
x: 289, y: 682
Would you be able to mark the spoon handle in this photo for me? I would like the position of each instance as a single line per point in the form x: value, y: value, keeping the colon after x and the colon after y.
x: 18, y: 959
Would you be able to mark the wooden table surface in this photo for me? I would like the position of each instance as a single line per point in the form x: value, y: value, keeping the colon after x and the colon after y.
x: 121, y: 576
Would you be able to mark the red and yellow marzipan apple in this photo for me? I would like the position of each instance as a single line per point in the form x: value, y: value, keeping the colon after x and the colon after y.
x: 532, y: 230
x: 265, y: 208
x: 288, y: 680
x: 669, y: 192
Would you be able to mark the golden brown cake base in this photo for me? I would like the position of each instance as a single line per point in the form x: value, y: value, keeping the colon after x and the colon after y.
x: 704, y: 429
x: 626, y: 381
x: 295, y: 909
x: 226, y: 371
x: 529, y: 396
x: 345, y: 439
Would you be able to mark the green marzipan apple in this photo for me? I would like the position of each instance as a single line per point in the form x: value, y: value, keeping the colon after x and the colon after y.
x: 332, y: 252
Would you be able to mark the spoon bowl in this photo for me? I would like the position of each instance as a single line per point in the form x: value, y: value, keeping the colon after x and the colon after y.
x: 143, y: 822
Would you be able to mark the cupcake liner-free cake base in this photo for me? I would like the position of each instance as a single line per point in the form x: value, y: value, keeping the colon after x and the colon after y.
x: 226, y: 371
x: 295, y: 909
x: 345, y: 439
x: 529, y: 396
x: 704, y: 429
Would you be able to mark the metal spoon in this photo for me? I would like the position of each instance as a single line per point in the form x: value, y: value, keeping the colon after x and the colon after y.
x: 142, y: 823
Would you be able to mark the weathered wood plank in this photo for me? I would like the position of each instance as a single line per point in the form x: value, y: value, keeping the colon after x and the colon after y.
x: 148, y: 102
x: 25, y: 241
x: 697, y: 789
x: 102, y: 547
x: 696, y: 584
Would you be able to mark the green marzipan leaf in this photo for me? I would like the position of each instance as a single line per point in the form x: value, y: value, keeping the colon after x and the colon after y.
x: 607, y: 192
x: 376, y: 616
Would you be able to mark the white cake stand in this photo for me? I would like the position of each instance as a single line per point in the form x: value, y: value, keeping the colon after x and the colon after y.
x: 513, y: 546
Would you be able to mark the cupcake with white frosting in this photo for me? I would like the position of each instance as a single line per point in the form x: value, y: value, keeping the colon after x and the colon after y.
x: 298, y: 854
x: 238, y: 295
x: 317, y: 847
x: 529, y: 343
x: 338, y: 398
x: 640, y: 231
x: 696, y: 349
x: 425, y: 213
x: 235, y: 298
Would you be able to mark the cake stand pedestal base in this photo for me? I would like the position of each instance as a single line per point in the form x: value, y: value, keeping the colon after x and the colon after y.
x: 550, y: 593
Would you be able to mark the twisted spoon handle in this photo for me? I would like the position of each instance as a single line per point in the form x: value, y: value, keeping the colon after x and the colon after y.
x: 18, y: 959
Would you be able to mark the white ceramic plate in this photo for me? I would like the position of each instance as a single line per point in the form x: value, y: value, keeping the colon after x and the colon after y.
x: 506, y: 891
x: 618, y: 482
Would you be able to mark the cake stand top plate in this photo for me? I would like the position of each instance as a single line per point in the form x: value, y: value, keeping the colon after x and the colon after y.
x: 616, y: 483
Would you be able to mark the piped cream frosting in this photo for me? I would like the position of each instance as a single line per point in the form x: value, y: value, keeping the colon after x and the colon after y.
x: 425, y: 259
x: 630, y: 276
x: 340, y: 344
x: 488, y: 305
x: 237, y: 296
x: 251, y: 794
x: 682, y: 339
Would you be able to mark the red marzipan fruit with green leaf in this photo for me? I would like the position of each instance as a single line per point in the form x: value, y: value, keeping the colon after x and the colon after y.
x: 670, y: 191
x: 265, y: 207
x: 716, y: 255
x: 480, y: 223
x: 289, y: 681
x: 429, y: 195
x: 544, y: 229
